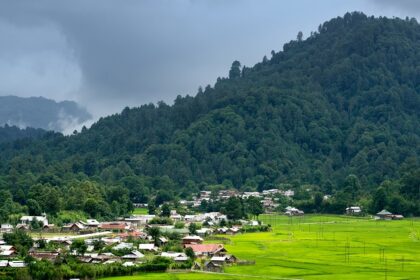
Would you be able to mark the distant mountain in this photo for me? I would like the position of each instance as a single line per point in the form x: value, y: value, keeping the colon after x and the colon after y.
x: 39, y: 112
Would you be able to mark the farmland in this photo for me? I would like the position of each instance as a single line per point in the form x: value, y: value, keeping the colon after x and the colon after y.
x: 140, y: 211
x: 321, y: 247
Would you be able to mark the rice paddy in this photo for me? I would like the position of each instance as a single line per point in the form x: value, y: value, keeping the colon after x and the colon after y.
x: 321, y: 247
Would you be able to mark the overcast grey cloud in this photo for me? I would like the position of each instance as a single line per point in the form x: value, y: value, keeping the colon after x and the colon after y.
x: 110, y: 54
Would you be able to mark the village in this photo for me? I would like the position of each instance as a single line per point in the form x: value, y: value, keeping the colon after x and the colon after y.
x: 190, y: 241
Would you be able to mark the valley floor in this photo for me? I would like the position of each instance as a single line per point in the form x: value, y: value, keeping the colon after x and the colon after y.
x: 320, y: 247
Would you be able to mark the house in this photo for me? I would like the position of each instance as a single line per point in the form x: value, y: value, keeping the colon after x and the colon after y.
x: 62, y: 241
x: 225, y: 194
x: 75, y: 227
x: 148, y: 247
x: 17, y: 264
x: 22, y: 226
x: 222, y: 230
x: 384, y: 215
x: 127, y: 264
x: 6, y: 228
x: 114, y: 226
x: 215, y: 216
x: 123, y: 246
x: 85, y: 259
x: 233, y: 230
x: 8, y: 253
x: 49, y: 227
x: 196, y: 266
x: 397, y: 217
x: 139, y: 219
x: 270, y: 192
x: 133, y: 234
x: 353, y: 210
x: 206, y: 249
x: 253, y: 223
x: 109, y: 262
x: 100, y: 258
x: 292, y: 211
x: 90, y: 223
x: 289, y: 193
x: 218, y: 259
x: 192, y: 239
x: 246, y: 195
x: 190, y: 218
x: 4, y: 263
x: 175, y: 216
x: 175, y: 256
x: 181, y: 259
x: 213, y: 267
x: 224, y: 259
x: 162, y: 241
x: 44, y: 255
x: 134, y: 255
x: 204, y: 232
x: 28, y: 219
x: 111, y: 240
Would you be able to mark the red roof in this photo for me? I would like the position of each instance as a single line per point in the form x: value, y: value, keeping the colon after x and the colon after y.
x: 132, y: 234
x: 113, y: 226
x: 205, y: 248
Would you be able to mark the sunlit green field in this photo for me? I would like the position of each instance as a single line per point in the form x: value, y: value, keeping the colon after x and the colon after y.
x: 322, y: 247
x: 140, y: 211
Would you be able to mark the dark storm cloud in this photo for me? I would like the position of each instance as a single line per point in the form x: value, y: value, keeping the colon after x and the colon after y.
x: 110, y: 54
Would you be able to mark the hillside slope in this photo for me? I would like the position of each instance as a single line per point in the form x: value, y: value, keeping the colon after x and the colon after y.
x: 12, y: 133
x: 344, y: 101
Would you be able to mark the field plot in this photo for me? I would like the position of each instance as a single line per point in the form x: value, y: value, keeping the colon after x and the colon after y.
x: 140, y: 211
x: 322, y: 247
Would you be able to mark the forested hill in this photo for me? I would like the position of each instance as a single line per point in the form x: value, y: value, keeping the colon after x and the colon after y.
x: 39, y: 112
x: 11, y: 133
x: 343, y: 101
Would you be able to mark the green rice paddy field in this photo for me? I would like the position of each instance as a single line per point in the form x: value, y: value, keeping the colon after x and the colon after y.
x: 140, y: 211
x: 321, y: 247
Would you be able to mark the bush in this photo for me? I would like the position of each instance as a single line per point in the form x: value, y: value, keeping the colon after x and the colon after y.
x: 161, y: 221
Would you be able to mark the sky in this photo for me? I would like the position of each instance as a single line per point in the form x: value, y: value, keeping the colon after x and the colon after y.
x: 107, y: 55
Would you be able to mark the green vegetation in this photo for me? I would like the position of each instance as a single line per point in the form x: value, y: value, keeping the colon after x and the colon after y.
x: 140, y: 211
x: 11, y: 133
x: 321, y: 247
x: 338, y: 112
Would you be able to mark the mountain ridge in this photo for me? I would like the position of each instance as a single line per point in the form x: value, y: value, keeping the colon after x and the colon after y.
x: 40, y: 112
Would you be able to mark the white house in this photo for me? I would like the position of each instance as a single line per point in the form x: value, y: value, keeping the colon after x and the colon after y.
x: 147, y: 247
x: 353, y: 210
x: 28, y: 219
x: 123, y: 245
x: 6, y: 228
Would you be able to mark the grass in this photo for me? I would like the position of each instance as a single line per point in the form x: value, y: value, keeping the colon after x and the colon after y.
x: 140, y: 211
x: 50, y: 234
x: 322, y: 247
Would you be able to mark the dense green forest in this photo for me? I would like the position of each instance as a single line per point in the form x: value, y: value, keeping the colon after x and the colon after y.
x: 12, y: 133
x: 338, y: 111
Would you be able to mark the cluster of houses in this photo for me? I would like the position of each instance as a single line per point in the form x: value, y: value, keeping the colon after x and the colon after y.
x: 127, y: 241
x: 268, y: 197
x: 386, y: 215
x: 382, y: 215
